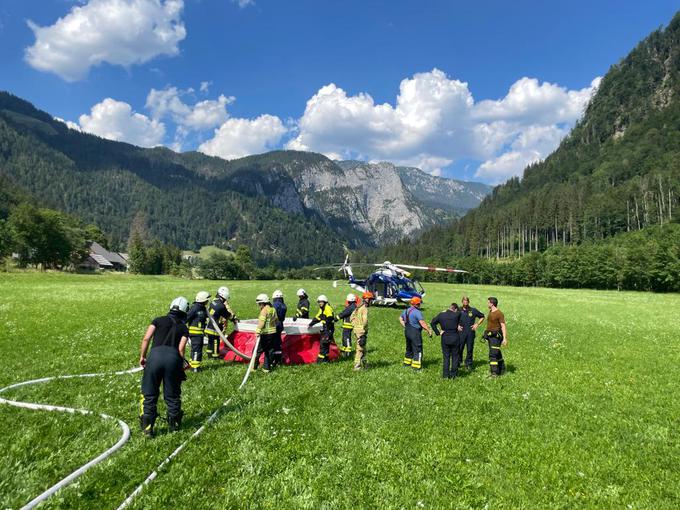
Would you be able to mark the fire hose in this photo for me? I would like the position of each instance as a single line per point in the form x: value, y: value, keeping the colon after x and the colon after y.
x: 125, y: 429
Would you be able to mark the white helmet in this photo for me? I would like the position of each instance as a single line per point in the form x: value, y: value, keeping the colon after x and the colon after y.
x: 323, y: 298
x: 277, y: 294
x: 223, y: 292
x: 202, y: 297
x: 262, y: 298
x: 179, y: 304
x: 301, y: 292
x: 351, y: 298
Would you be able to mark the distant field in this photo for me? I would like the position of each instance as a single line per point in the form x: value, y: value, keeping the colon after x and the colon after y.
x: 588, y: 414
x: 206, y: 251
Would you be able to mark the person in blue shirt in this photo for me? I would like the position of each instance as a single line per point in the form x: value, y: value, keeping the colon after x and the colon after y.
x: 281, y: 310
x: 413, y: 322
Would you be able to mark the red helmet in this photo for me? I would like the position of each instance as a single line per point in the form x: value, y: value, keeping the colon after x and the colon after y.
x: 367, y: 295
x: 415, y: 300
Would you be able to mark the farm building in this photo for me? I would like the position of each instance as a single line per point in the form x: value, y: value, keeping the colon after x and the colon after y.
x: 101, y: 258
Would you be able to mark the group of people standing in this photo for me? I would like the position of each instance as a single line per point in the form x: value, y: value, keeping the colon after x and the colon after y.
x: 457, y: 327
x: 164, y: 343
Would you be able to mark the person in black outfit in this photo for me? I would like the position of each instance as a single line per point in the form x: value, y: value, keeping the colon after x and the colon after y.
x: 449, y: 321
x: 164, y: 364
x: 468, y: 319
x: 281, y: 311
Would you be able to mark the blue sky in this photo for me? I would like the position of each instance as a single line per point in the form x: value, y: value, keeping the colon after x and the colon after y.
x: 473, y: 90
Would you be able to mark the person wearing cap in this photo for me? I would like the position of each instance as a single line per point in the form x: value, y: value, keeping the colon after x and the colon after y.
x: 266, y: 330
x: 449, y: 322
x: 281, y: 311
x: 168, y: 337
x: 197, y: 320
x: 413, y: 322
x: 359, y: 320
x: 327, y: 319
x: 302, y: 311
x: 220, y: 312
x: 344, y: 316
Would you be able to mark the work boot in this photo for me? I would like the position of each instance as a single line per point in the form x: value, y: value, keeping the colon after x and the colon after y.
x: 175, y: 421
x: 146, y: 422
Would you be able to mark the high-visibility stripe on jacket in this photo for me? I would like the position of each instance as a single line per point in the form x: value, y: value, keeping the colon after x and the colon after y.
x: 346, y: 314
x: 302, y: 309
x: 325, y: 315
x: 266, y: 322
x: 197, y: 319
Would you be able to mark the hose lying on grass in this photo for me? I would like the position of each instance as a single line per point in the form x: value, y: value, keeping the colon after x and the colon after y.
x: 125, y: 429
x: 152, y: 476
x: 44, y: 407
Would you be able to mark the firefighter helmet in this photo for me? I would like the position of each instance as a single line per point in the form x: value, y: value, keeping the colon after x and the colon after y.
x: 367, y: 295
x: 301, y: 292
x: 322, y: 298
x: 351, y: 298
x: 179, y: 304
x: 262, y: 299
x: 277, y: 294
x: 223, y: 292
x: 202, y: 297
x: 415, y: 300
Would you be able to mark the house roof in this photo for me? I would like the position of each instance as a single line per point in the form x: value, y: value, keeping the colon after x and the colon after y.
x: 101, y: 255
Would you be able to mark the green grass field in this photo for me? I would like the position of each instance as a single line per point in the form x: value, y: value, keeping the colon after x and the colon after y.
x: 587, y: 415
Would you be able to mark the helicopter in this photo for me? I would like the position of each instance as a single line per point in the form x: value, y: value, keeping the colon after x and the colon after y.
x: 390, y: 283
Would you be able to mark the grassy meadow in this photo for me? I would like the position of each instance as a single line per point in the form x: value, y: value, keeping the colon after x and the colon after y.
x: 587, y: 416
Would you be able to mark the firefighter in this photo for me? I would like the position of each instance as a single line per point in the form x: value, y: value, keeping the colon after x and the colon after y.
x: 220, y: 312
x: 302, y: 311
x: 326, y: 317
x: 413, y: 322
x: 344, y: 316
x: 359, y: 320
x: 468, y: 320
x: 281, y: 310
x: 197, y: 319
x: 164, y: 364
x: 497, y: 335
x: 449, y: 321
x: 266, y: 330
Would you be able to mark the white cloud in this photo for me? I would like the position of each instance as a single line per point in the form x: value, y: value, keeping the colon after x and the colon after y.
x: 115, y: 120
x: 205, y: 86
x: 435, y: 121
x: 119, y: 32
x: 69, y: 123
x: 202, y: 115
x: 236, y: 138
x: 243, y: 3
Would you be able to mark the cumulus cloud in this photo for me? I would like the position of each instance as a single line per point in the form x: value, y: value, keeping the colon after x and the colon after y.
x: 69, y: 123
x: 119, y: 32
x: 436, y: 121
x: 236, y: 138
x: 115, y: 120
x: 202, y: 115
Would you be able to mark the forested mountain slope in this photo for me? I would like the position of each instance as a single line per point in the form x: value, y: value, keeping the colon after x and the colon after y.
x: 618, y: 170
x: 290, y: 208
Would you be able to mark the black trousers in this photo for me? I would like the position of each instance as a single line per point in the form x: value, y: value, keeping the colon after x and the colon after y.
x: 467, y: 342
x: 414, y: 347
x: 325, y: 344
x: 266, y: 346
x: 213, y: 346
x: 196, y: 350
x: 451, y: 352
x: 163, y: 365
x: 277, y: 349
x: 346, y: 340
x: 496, y: 362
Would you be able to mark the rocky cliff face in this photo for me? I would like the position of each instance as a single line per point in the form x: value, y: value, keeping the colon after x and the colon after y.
x: 366, y: 203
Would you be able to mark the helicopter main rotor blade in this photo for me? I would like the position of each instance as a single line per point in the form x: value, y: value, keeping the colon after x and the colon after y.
x: 432, y: 268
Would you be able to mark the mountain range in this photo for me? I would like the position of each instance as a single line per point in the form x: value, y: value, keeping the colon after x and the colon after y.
x: 289, y: 207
